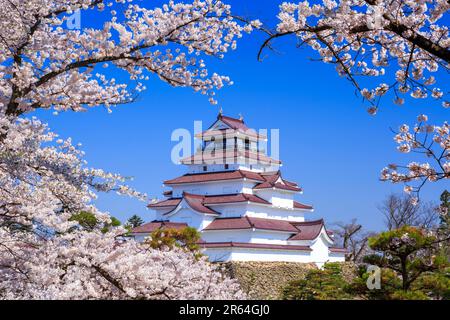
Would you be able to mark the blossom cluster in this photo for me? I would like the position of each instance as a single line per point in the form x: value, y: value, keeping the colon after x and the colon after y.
x: 45, y: 65
x: 92, y: 265
x: 430, y: 140
x: 44, y: 254
x: 374, y: 38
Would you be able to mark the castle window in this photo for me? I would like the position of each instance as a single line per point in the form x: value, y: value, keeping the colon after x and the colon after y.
x: 205, y: 168
x: 226, y: 167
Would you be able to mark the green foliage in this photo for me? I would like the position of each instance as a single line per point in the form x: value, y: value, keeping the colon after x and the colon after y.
x: 390, y: 283
x: 114, y: 223
x: 408, y: 251
x: 435, y: 285
x: 86, y: 220
x: 403, y: 241
x: 408, y: 295
x: 89, y: 222
x: 134, y: 221
x: 325, y: 284
x: 186, y: 238
x: 445, y: 200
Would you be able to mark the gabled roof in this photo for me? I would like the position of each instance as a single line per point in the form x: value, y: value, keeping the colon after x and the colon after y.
x: 154, y: 225
x: 262, y: 246
x: 233, y: 123
x: 234, y: 198
x: 215, y: 176
x: 196, y: 202
x: 275, y: 180
x: 235, y: 126
x: 251, y: 223
x: 201, y: 203
x: 308, y: 230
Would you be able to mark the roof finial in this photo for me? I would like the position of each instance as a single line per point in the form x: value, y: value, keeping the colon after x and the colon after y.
x: 241, y: 117
x: 220, y: 111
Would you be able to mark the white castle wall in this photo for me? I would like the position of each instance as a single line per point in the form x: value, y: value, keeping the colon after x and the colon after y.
x: 248, y: 235
x: 192, y: 218
x: 258, y: 211
x: 246, y: 254
x: 277, y: 197
x: 217, y: 167
x: 214, y: 188
x: 320, y: 252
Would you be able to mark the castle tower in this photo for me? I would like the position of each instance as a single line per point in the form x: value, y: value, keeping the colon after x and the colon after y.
x: 236, y: 197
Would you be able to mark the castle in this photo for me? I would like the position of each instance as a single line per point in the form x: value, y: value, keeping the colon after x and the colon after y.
x: 236, y: 197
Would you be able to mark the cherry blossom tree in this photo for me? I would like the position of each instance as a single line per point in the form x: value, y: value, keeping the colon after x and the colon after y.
x: 44, y: 65
x: 46, y: 255
x: 430, y: 140
x: 402, y: 43
x: 45, y: 181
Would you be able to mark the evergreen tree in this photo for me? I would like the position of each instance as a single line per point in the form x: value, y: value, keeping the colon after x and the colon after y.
x: 325, y: 284
x: 135, y: 221
x: 408, y: 251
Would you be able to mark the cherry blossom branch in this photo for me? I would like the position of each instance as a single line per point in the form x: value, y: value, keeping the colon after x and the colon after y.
x: 350, y: 33
x: 438, y: 151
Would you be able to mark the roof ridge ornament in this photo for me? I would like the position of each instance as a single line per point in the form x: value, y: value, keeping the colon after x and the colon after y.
x: 241, y: 117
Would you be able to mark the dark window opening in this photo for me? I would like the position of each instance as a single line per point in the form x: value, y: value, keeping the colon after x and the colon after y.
x: 205, y: 168
x: 247, y: 144
x: 227, y: 167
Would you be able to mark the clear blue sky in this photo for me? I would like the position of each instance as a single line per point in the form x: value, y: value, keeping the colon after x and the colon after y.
x: 329, y: 144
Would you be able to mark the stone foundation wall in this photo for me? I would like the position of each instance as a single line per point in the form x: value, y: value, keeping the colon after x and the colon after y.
x: 266, y: 280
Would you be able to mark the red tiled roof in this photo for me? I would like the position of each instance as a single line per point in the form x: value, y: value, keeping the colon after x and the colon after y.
x: 277, y: 185
x: 262, y: 246
x: 228, y: 157
x: 235, y: 126
x: 274, y: 180
x: 233, y: 198
x: 201, y: 203
x: 338, y: 250
x: 215, y: 176
x: 233, y: 123
x: 230, y: 133
x: 298, y: 205
x: 308, y: 230
x: 196, y: 202
x: 154, y: 225
x: 172, y: 202
x: 250, y: 223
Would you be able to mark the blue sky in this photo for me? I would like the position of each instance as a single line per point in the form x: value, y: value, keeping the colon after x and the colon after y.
x: 329, y: 143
